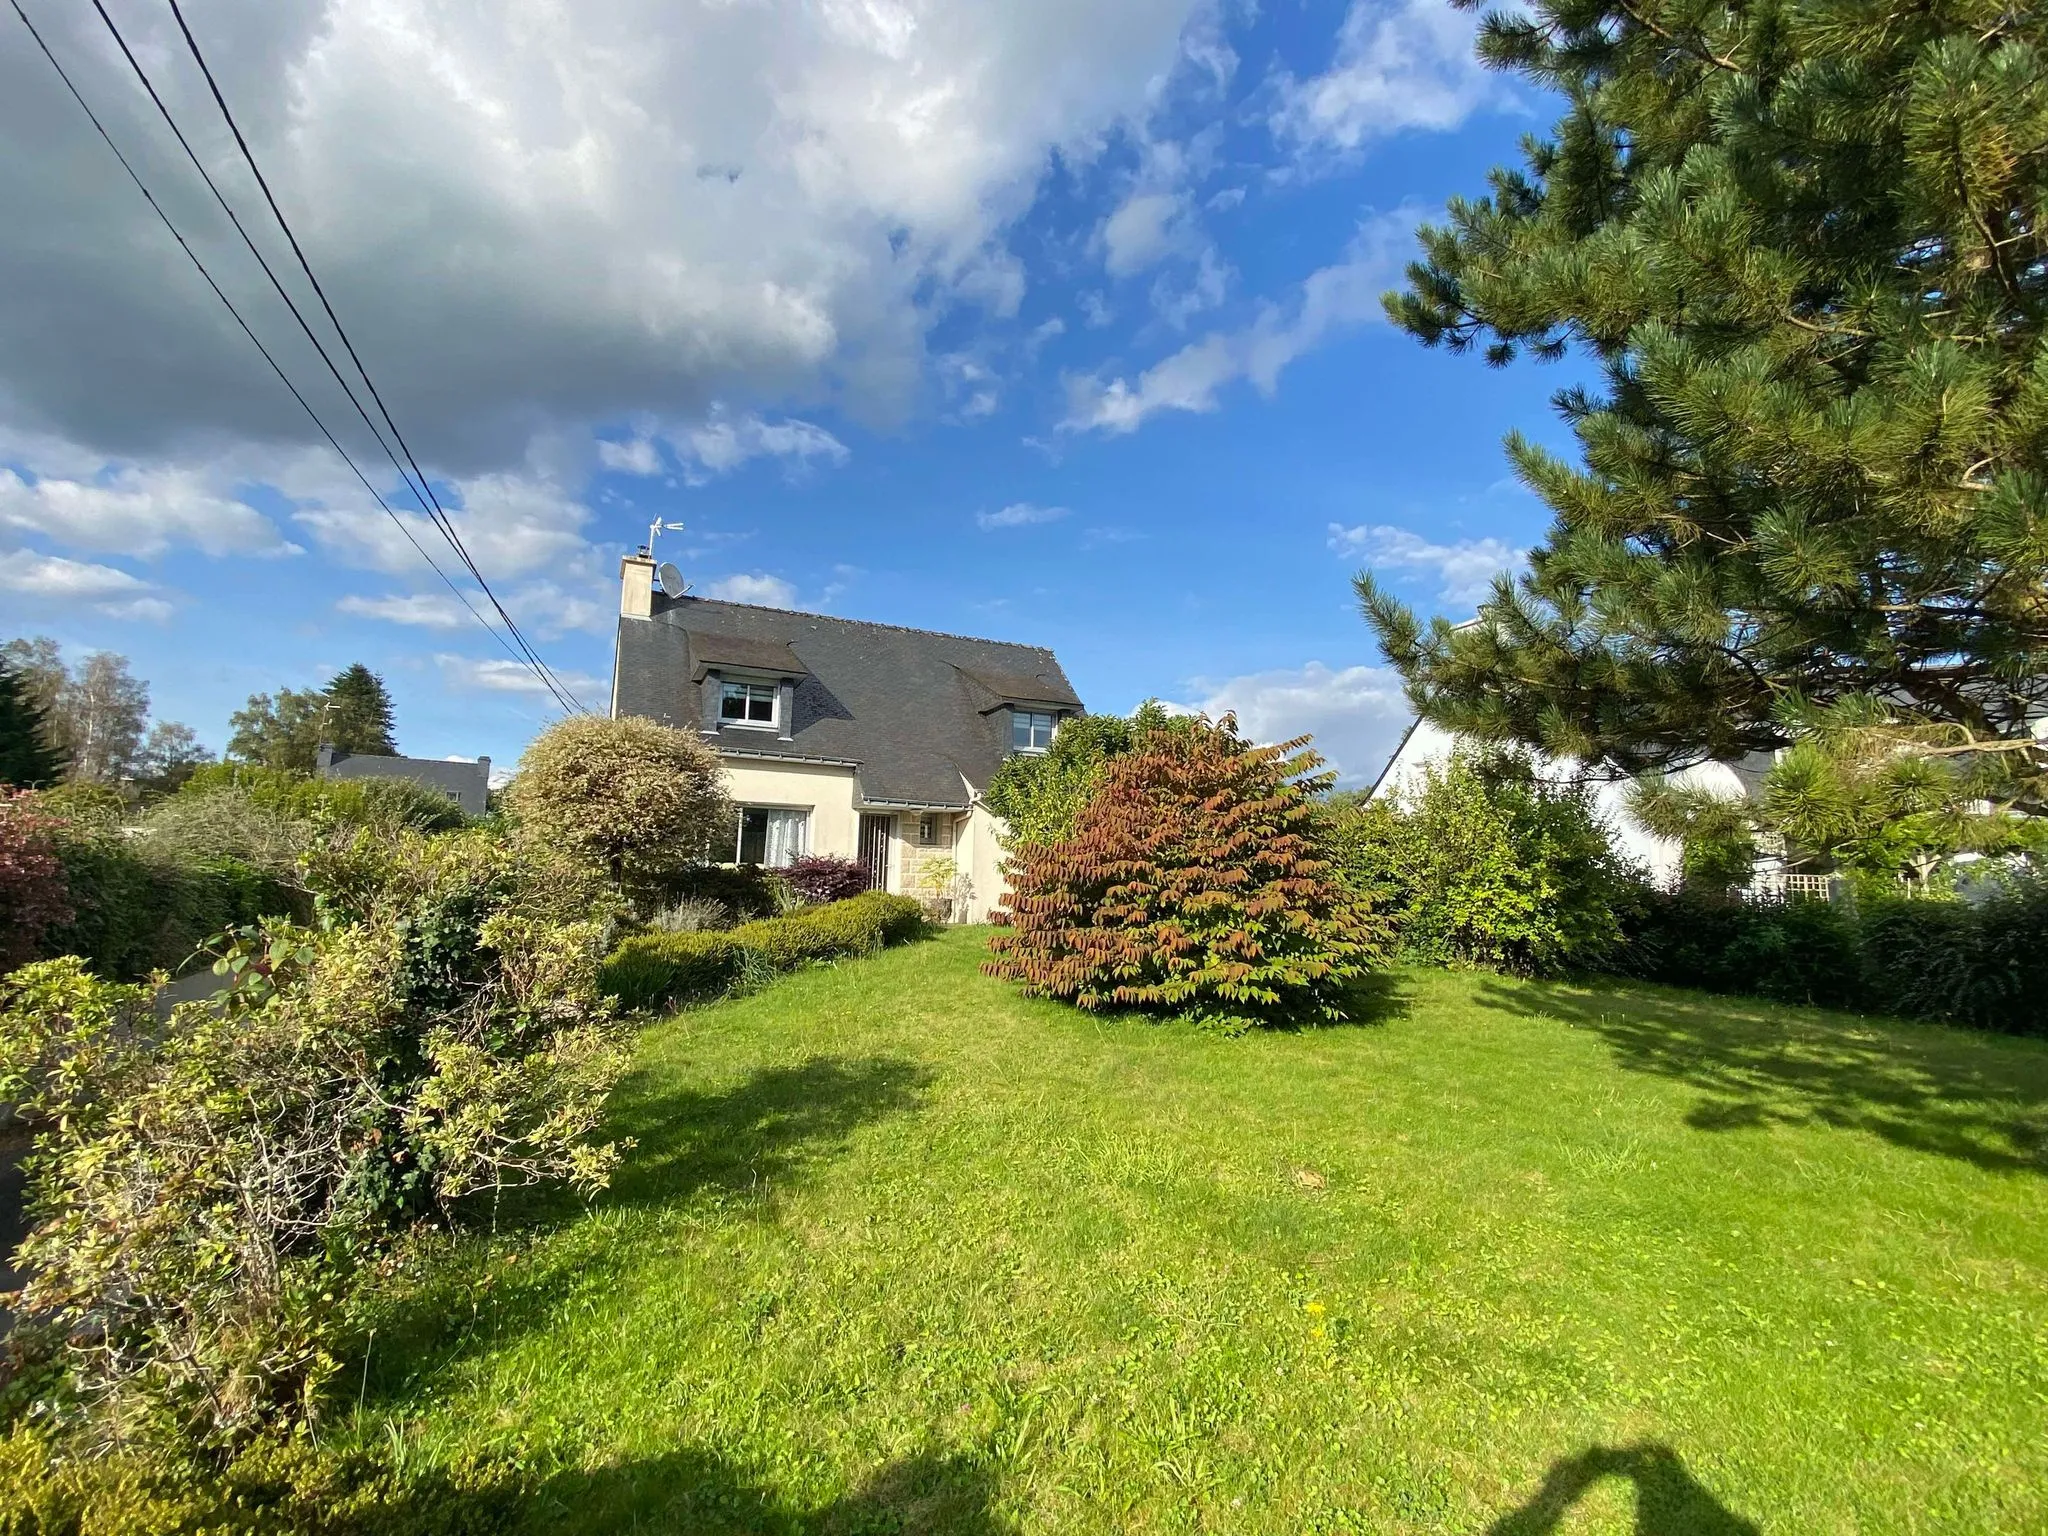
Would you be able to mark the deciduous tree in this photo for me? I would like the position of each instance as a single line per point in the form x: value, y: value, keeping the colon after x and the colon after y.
x: 1194, y: 882
x: 280, y: 730
x: 104, y: 709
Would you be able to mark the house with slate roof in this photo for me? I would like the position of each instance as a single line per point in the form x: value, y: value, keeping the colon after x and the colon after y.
x: 468, y: 784
x: 840, y: 737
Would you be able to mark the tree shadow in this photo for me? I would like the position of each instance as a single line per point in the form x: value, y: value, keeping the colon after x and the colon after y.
x: 764, y: 1132
x: 686, y: 1490
x: 739, y: 1145
x: 1378, y: 998
x: 1982, y: 1099
x: 1670, y: 1501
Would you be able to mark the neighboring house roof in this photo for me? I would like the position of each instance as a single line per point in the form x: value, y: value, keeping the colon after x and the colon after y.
x: 918, y: 714
x: 468, y: 784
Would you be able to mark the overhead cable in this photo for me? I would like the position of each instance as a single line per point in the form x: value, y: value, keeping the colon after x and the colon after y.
x: 254, y: 340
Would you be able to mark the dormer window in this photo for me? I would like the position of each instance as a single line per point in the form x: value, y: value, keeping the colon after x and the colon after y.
x: 747, y: 703
x: 1031, y: 730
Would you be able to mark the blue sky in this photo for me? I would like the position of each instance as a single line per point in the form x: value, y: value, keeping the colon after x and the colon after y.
x: 1019, y: 322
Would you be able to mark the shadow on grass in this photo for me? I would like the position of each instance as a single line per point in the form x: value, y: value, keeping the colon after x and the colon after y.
x: 1979, y: 1099
x: 740, y: 1144
x: 1379, y: 998
x: 686, y: 1491
x: 764, y: 1132
x: 695, y: 1492
x: 1670, y: 1501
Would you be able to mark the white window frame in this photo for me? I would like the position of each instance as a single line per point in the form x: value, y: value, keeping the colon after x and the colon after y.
x: 799, y: 844
x: 749, y: 690
x: 1031, y: 744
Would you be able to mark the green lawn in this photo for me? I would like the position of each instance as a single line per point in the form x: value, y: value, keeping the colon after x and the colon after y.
x: 898, y: 1251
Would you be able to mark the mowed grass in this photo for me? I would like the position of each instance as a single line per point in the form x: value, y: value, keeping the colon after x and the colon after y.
x: 898, y: 1250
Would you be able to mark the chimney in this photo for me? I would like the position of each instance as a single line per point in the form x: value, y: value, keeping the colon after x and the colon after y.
x: 636, y: 586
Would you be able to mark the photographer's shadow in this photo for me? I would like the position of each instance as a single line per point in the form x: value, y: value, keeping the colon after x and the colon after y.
x: 1670, y: 1501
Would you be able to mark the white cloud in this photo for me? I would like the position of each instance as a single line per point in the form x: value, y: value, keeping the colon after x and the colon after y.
x: 635, y: 456
x: 531, y: 213
x: 759, y: 588
x: 723, y: 442
x: 1464, y: 570
x: 51, y: 581
x: 1399, y: 64
x: 541, y: 608
x: 426, y: 610
x: 1177, y: 303
x: 504, y: 675
x: 1146, y: 228
x: 1356, y: 714
x: 1330, y: 299
x: 126, y: 510
x: 513, y: 524
x: 1021, y: 514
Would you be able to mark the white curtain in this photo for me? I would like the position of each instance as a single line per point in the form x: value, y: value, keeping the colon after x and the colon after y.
x: 785, y: 843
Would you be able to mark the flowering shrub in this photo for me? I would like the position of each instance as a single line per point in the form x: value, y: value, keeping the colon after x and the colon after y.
x: 32, y: 890
x: 820, y: 878
x: 1194, y: 882
x: 211, y: 1192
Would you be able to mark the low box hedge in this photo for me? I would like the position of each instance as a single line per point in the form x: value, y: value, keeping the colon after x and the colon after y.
x: 651, y: 970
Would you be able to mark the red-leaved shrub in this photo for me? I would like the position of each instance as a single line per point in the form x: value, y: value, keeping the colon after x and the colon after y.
x: 32, y: 894
x: 1193, y: 884
x: 819, y: 879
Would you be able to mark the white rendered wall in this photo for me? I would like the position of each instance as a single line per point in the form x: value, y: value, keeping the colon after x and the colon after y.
x: 825, y: 791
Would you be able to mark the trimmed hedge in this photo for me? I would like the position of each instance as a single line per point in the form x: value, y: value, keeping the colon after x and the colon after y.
x: 650, y: 970
x: 133, y: 913
x: 1983, y: 964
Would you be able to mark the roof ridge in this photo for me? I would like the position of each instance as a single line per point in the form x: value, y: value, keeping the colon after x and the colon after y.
x: 901, y: 629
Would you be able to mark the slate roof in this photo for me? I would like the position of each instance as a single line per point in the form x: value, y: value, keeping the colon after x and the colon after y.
x: 468, y: 784
x: 915, y: 712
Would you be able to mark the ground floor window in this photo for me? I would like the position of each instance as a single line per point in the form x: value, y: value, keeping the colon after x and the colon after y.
x: 773, y: 839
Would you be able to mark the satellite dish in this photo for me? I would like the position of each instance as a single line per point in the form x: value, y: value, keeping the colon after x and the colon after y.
x: 671, y: 579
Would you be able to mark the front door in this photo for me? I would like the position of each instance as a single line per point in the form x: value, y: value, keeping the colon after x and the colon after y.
x: 874, y: 849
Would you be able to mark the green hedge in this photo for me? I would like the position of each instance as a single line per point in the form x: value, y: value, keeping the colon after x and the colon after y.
x: 135, y: 913
x: 1982, y: 963
x: 650, y: 970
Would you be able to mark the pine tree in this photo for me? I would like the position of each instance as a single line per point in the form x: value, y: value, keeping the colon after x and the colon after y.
x: 1807, y: 247
x: 27, y: 760
x: 358, y: 713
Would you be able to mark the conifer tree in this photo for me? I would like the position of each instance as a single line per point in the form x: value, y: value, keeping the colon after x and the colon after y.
x: 27, y: 760
x: 1805, y: 245
x: 358, y: 715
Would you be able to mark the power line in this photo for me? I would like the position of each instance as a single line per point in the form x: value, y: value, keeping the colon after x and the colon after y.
x: 435, y: 516
x: 248, y: 155
x: 525, y: 654
x: 254, y: 340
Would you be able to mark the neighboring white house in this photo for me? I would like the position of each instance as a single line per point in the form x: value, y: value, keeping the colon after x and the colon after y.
x: 1426, y: 744
x: 860, y: 741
